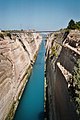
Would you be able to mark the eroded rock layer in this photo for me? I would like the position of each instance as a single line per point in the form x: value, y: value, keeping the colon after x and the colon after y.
x: 18, y: 52
x: 62, y: 51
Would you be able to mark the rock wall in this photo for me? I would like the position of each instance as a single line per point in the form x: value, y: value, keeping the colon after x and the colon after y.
x: 60, y: 62
x: 17, y: 55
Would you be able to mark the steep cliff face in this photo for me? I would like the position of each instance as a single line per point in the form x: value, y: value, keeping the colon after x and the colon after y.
x: 17, y: 55
x: 60, y: 62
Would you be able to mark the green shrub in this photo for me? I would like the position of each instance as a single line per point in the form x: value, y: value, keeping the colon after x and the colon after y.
x: 1, y: 35
x: 54, y: 51
x: 9, y: 35
x: 76, y: 78
x: 78, y: 25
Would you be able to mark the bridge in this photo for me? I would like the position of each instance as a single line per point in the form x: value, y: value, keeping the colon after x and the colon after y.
x: 29, y: 31
x: 43, y: 31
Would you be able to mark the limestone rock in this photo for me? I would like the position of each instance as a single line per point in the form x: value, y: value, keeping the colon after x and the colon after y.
x: 16, y: 55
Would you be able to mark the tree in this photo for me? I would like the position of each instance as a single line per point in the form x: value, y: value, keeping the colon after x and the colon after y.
x: 71, y: 25
x: 78, y: 25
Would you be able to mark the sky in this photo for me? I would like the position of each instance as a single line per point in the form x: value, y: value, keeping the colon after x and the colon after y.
x: 38, y: 14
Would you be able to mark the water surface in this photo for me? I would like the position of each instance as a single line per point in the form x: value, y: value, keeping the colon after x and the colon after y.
x: 31, y: 106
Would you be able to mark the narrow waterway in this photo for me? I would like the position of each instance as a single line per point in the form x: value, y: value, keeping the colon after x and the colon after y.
x: 31, y: 106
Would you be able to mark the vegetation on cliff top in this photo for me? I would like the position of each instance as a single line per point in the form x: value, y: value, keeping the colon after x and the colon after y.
x: 73, y: 25
x: 1, y: 35
x: 4, y: 33
x: 9, y: 35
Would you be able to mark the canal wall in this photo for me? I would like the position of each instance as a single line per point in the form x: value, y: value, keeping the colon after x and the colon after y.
x: 18, y: 52
x: 60, y: 62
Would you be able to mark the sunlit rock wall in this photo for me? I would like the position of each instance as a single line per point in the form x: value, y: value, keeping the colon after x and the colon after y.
x: 17, y: 55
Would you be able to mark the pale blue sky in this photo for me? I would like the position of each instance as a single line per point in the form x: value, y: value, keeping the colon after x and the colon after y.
x: 38, y: 14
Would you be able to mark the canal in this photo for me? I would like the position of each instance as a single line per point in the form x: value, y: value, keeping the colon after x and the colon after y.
x: 31, y: 106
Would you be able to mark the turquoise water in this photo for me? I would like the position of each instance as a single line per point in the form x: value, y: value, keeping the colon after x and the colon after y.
x: 31, y: 106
